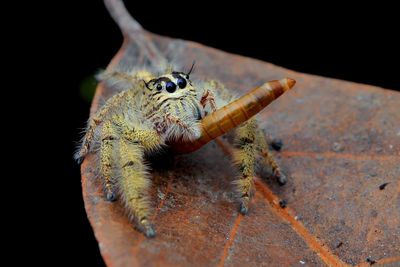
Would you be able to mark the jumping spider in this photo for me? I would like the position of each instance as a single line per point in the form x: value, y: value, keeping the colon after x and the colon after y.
x: 152, y: 113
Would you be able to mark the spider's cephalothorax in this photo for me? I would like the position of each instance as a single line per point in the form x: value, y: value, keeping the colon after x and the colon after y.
x: 174, y: 95
x: 155, y: 111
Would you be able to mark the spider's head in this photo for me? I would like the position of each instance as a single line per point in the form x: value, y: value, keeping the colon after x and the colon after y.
x: 171, y: 85
x: 173, y: 93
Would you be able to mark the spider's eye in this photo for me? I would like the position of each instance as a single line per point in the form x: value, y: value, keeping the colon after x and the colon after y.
x: 159, y: 87
x: 181, y: 83
x: 171, y: 87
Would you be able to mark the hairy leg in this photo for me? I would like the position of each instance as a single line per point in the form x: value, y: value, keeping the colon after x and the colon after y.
x: 95, y: 121
x: 244, y: 159
x: 244, y: 143
x: 268, y: 158
x: 109, y: 139
x: 111, y: 103
x: 134, y: 184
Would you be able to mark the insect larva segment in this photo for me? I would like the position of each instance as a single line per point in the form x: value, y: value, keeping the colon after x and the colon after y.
x: 237, y: 112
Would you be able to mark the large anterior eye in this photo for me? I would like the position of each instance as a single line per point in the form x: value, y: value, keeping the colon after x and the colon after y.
x: 181, y: 83
x: 171, y: 87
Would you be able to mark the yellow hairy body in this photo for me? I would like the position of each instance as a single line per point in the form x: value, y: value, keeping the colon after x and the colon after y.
x: 168, y: 110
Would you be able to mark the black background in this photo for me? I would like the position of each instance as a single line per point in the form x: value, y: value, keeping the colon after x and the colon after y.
x: 352, y: 43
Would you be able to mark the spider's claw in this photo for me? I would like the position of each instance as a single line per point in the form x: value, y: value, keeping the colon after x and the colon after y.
x: 111, y: 196
x: 78, y: 158
x: 80, y: 155
x: 280, y: 177
x: 147, y: 228
x: 150, y: 231
x: 243, y: 208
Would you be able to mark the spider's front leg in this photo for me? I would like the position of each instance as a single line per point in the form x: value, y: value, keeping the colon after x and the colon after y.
x: 134, y: 185
x: 134, y: 182
x: 122, y: 153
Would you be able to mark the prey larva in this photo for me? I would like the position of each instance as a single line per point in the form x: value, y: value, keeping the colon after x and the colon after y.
x: 156, y: 111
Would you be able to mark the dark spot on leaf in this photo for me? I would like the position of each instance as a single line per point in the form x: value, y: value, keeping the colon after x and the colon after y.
x: 382, y: 186
x: 277, y: 144
x: 371, y: 261
x: 337, y: 147
x: 282, y: 203
x: 374, y: 213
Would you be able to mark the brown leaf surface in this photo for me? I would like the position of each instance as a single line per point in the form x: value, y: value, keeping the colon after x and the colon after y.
x: 341, y: 142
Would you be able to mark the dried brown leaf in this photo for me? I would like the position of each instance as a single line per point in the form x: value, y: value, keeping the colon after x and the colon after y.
x: 332, y: 196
